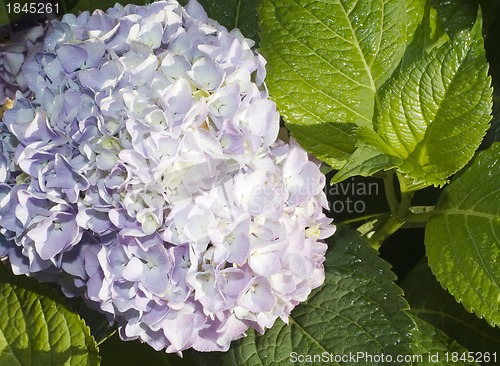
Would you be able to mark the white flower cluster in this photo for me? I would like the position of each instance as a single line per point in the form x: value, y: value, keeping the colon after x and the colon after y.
x: 147, y: 176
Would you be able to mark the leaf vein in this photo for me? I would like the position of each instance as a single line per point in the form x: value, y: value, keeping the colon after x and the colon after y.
x: 314, y: 340
x: 481, y: 259
x: 320, y: 91
x: 237, y: 17
x: 460, y: 262
x: 370, y: 86
x: 356, y: 44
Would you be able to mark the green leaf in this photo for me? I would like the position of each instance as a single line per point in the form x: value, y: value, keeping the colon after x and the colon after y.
x: 415, y: 10
x: 435, y: 113
x: 4, y: 16
x: 240, y: 14
x: 327, y: 140
x: 433, y: 345
x: 462, y: 237
x: 358, y: 309
x: 97, y: 322
x: 326, y: 59
x: 430, y: 302
x: 37, y: 328
x: 366, y: 161
x: 457, y: 15
x: 429, y: 34
x: 371, y: 156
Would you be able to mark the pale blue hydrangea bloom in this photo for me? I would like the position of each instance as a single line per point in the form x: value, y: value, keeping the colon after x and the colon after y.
x: 146, y: 176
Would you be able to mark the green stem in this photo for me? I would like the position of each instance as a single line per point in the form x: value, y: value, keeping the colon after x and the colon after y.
x: 413, y: 225
x: 387, y: 229
x: 404, y: 205
x: 399, y: 212
x: 106, y: 338
x: 389, y: 192
x: 363, y: 218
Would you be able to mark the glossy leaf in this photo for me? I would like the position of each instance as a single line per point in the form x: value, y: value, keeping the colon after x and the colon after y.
x: 36, y: 327
x: 457, y: 15
x: 462, y: 237
x: 433, y: 345
x: 366, y: 161
x: 430, y: 302
x: 327, y: 140
x: 435, y: 114
x: 326, y: 59
x: 429, y: 34
x: 371, y: 156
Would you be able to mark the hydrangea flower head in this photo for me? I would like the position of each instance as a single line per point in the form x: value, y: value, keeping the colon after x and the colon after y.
x: 146, y: 176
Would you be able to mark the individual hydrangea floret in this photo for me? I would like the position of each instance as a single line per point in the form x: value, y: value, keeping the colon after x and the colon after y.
x: 146, y: 176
